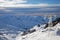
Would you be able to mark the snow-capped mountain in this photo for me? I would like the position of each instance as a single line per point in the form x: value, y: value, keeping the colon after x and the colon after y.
x: 40, y: 33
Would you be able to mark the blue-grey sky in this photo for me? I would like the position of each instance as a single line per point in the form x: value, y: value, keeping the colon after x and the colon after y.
x: 44, y: 1
x: 23, y: 3
x: 36, y: 1
x: 48, y: 6
x: 30, y: 1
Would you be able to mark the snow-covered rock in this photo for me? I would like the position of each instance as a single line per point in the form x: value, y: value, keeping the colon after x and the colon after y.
x: 47, y: 34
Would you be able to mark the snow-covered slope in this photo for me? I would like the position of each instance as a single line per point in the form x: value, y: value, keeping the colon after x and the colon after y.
x: 51, y: 33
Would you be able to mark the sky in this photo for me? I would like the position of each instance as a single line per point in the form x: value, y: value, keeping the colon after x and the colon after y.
x: 28, y: 3
x: 42, y: 5
x: 33, y: 1
x: 44, y: 1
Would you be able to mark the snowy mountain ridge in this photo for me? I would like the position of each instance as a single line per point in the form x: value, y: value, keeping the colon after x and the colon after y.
x: 38, y: 32
x: 42, y: 34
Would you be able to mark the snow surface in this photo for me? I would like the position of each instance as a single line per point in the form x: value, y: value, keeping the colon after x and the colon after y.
x: 47, y: 34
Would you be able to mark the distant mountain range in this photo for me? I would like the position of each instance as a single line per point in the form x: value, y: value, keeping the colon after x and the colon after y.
x: 15, y: 22
x: 52, y: 9
x: 21, y: 22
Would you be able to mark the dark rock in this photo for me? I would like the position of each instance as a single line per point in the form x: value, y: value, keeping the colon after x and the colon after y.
x: 53, y: 22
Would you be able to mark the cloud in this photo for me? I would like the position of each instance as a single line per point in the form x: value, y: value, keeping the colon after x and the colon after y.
x: 7, y: 10
x: 27, y: 5
x: 1, y: 0
x: 49, y: 9
x: 23, y: 5
x: 12, y: 1
x: 21, y: 1
x: 2, y: 8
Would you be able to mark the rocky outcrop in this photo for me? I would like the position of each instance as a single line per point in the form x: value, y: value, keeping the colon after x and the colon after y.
x: 57, y: 20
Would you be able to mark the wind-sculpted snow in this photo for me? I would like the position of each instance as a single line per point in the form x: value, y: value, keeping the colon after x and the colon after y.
x: 49, y: 34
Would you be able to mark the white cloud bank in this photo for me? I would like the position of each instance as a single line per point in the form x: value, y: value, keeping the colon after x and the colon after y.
x: 14, y: 1
x: 20, y: 3
x: 11, y: 2
x: 24, y: 5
